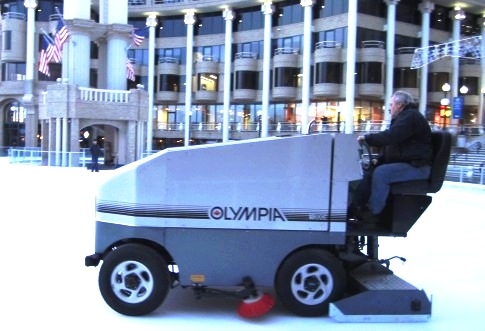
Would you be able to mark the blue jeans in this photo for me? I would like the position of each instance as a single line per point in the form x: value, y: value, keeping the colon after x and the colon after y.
x: 386, y: 174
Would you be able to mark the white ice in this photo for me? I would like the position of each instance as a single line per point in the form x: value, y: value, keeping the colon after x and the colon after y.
x: 47, y: 227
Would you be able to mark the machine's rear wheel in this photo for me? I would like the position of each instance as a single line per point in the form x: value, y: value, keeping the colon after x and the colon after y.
x: 308, y: 281
x: 134, y: 280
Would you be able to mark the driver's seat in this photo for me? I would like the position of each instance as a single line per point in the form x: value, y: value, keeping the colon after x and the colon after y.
x: 408, y: 200
x: 441, y: 155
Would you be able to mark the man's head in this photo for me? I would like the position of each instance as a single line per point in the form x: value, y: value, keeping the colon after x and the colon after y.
x: 399, y: 101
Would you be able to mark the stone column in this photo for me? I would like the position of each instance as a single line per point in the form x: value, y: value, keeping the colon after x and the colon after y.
x: 102, y: 58
x: 189, y: 20
x: 116, y: 57
x: 307, y: 53
x: 267, y: 9
x: 391, y: 31
x: 31, y: 121
x: 151, y: 23
x: 426, y: 7
x: 228, y: 17
x: 350, y: 70
x: 76, y: 59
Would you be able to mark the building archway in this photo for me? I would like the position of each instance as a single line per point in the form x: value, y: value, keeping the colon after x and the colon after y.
x: 13, y: 115
x: 111, y: 138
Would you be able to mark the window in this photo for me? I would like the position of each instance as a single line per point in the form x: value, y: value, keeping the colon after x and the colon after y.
x: 14, y: 126
x: 249, y: 19
x: 207, y: 82
x: 328, y: 72
x: 139, y: 55
x: 436, y: 81
x: 285, y: 76
x: 169, y: 83
x: 369, y: 73
x: 172, y: 27
x: 372, y: 7
x: 13, y: 71
x: 407, y: 11
x: 246, y: 80
x: 209, y: 24
x: 7, y: 40
x: 288, y: 12
x: 405, y: 78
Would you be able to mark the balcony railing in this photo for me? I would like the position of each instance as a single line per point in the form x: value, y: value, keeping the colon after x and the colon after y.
x: 405, y: 50
x: 13, y: 15
x: 246, y: 55
x: 101, y: 95
x: 373, y: 44
x: 168, y: 60
x: 328, y: 44
x: 274, y: 127
x: 285, y: 50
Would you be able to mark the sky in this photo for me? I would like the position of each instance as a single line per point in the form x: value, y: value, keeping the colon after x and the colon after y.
x: 48, y: 229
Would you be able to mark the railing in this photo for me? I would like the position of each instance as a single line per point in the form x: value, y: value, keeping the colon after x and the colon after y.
x: 373, y: 44
x: 13, y: 15
x: 405, y: 50
x: 101, y: 95
x: 375, y: 126
x: 246, y: 55
x: 328, y: 44
x: 35, y: 156
x: 285, y: 50
x: 168, y: 60
x: 466, y: 174
x: 136, y: 2
x: 210, y: 58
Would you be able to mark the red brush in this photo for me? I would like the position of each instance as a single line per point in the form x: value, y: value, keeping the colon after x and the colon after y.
x: 256, y: 306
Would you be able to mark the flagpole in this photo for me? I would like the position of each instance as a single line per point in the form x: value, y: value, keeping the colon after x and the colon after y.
x: 151, y: 23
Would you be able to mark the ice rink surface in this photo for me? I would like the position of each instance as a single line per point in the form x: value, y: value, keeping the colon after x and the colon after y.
x: 47, y: 220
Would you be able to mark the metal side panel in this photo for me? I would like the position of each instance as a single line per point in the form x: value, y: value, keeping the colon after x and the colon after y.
x: 382, y: 297
x: 383, y: 306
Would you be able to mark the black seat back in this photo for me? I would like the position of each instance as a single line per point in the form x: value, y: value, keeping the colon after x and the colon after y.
x: 441, y: 156
x: 442, y: 150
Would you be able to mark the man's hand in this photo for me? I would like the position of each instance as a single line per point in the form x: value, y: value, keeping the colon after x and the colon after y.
x: 361, y: 139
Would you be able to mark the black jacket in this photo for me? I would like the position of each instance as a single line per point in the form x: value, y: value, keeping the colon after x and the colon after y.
x: 408, y: 139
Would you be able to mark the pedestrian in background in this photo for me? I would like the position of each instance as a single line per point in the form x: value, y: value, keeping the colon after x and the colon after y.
x: 95, y: 153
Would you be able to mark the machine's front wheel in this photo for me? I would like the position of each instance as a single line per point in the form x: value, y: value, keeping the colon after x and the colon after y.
x: 308, y: 281
x: 134, y: 280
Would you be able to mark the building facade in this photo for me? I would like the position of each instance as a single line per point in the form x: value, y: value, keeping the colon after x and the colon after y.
x: 255, y: 68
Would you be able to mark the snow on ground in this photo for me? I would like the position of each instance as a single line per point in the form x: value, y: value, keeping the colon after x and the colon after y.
x: 48, y: 228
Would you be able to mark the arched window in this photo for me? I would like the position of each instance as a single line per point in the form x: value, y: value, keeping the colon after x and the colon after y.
x: 14, y: 127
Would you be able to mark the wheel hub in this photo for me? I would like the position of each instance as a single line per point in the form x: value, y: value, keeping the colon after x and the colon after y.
x: 132, y: 281
x: 312, y: 284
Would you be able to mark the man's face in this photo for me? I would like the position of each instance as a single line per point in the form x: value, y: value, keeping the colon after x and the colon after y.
x: 396, y: 108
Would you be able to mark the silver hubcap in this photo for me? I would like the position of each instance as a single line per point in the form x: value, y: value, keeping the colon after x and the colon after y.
x: 312, y: 284
x: 132, y: 282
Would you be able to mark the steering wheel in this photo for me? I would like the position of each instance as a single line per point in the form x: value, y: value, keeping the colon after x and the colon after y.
x: 366, y: 158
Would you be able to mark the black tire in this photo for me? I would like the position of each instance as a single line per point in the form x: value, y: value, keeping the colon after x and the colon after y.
x: 134, y: 280
x: 308, y: 281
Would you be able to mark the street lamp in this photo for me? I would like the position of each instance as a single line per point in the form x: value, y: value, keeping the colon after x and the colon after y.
x: 445, y: 103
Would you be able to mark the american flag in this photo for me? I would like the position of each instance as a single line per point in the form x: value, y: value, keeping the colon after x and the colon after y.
x: 62, y: 34
x: 130, y: 71
x: 139, y: 35
x: 45, y: 55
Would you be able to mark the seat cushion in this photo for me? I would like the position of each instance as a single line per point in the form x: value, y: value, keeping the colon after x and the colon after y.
x: 414, y: 187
